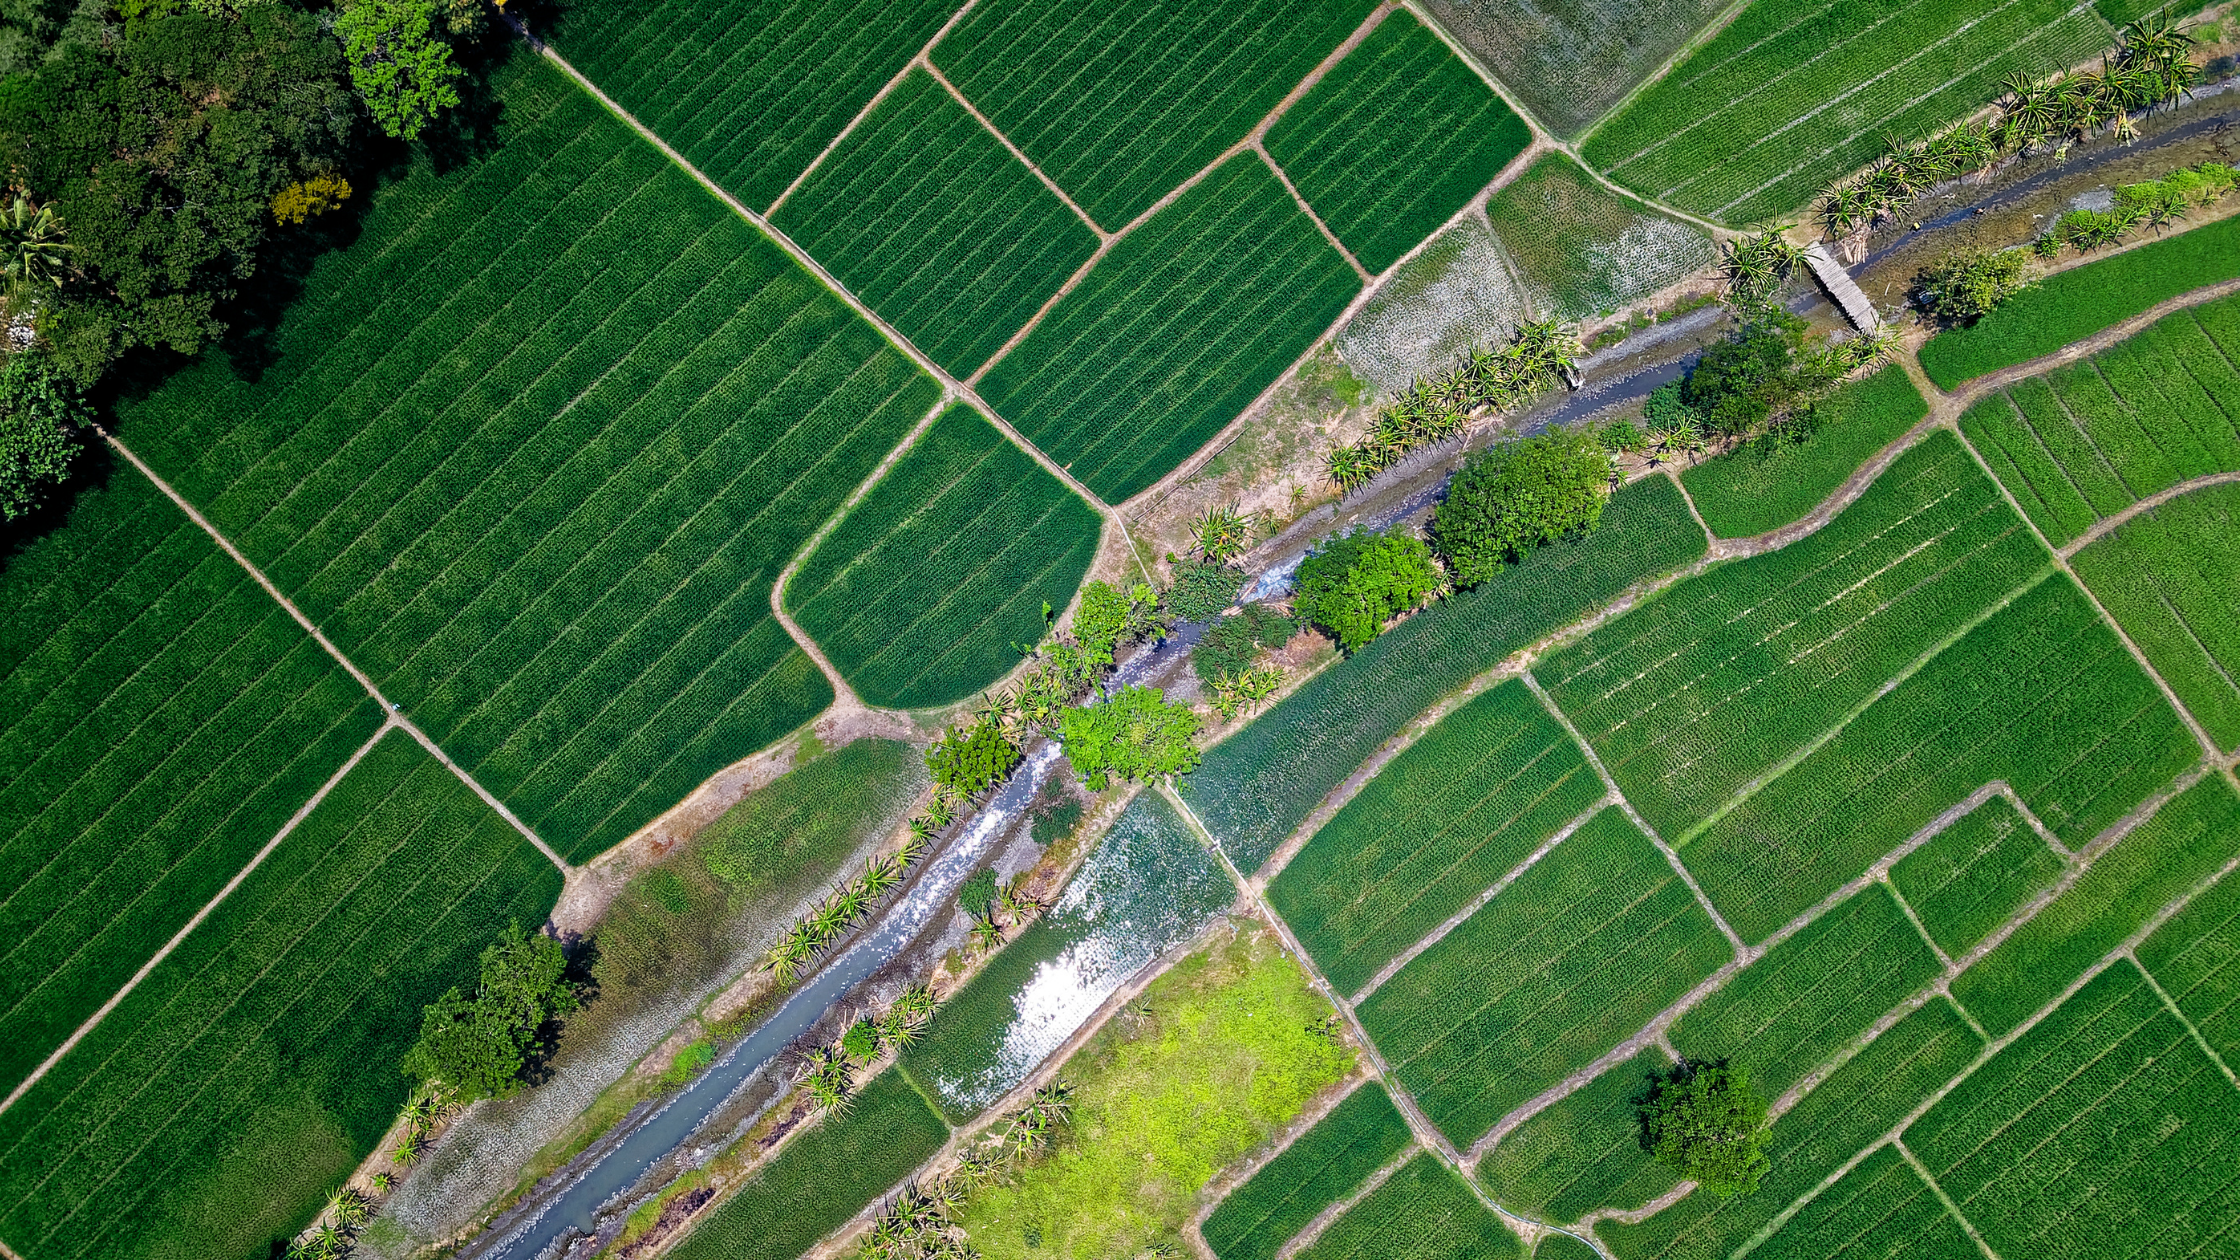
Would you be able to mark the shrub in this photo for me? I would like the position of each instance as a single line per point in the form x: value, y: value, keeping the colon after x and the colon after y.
x: 1966, y: 287
x: 39, y: 417
x: 861, y: 1042
x: 1357, y: 582
x: 1055, y: 820
x: 1512, y: 497
x: 1136, y: 734
x: 1738, y: 383
x: 1706, y: 1122
x: 1107, y: 618
x: 1621, y: 436
x: 972, y: 760
x: 479, y: 1047
x: 978, y: 892
x: 1201, y: 590
x: 1232, y: 645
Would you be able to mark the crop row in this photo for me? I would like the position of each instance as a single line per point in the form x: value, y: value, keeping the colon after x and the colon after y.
x: 1439, y: 824
x: 1174, y: 331
x: 1424, y: 1211
x: 1120, y: 103
x: 1582, y: 1151
x: 160, y: 719
x: 1880, y: 1208
x: 1320, y: 1167
x: 1395, y: 139
x: 2196, y: 959
x: 1971, y: 877
x: 922, y: 591
x: 1582, y: 249
x: 217, y: 1105
x: 2168, y: 578
x: 2041, y: 695
x: 1772, y: 481
x: 1579, y: 952
x: 1693, y: 695
x: 1570, y: 62
x: 928, y: 218
x: 1255, y: 787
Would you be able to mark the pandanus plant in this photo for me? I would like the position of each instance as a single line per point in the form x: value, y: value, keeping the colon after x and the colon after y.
x: 985, y: 935
x: 1221, y: 534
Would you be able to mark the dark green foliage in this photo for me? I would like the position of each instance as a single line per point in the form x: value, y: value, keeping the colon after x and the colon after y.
x: 1136, y: 734
x: 1201, y: 590
x: 1108, y: 617
x: 40, y: 415
x: 970, y: 760
x: 1963, y: 288
x: 2195, y: 957
x: 478, y: 1046
x: 253, y: 1070
x: 160, y: 720
x: 1705, y: 1121
x: 922, y: 592
x: 749, y: 91
x: 822, y: 1176
x: 1181, y: 326
x: 1359, y: 1136
x: 1514, y: 496
x: 1582, y: 1151
x: 1257, y: 785
x: 1232, y: 645
x: 399, y: 61
x: 1739, y: 382
x: 1120, y: 104
x: 861, y: 1042
x: 928, y: 218
x: 1972, y: 876
x: 1055, y: 820
x: 978, y: 892
x: 1355, y: 583
x: 1424, y: 1211
x: 2076, y: 303
x: 540, y: 495
x: 2171, y: 579
x: 1779, y: 477
x: 1394, y: 139
x: 1880, y: 1208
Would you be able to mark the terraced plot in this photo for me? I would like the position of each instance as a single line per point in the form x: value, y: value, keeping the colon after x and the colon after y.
x: 217, y: 1105
x: 1790, y: 96
x: 1880, y: 1208
x: 1575, y: 955
x: 1581, y: 249
x: 2041, y: 696
x: 1395, y: 139
x: 160, y: 720
x: 1174, y: 332
x: 921, y: 591
x: 1972, y: 876
x: 2195, y: 957
x: 2109, y: 1087
x: 540, y: 494
x: 1691, y: 696
x: 2169, y: 577
x: 1121, y: 103
x: 924, y: 215
x: 1256, y: 786
x: 1570, y: 60
x: 1583, y: 1151
x: 1359, y: 1136
x: 1771, y: 482
x: 1437, y: 826
x: 748, y: 90
x: 1422, y: 1212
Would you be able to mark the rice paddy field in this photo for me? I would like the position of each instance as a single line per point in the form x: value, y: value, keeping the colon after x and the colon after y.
x: 1972, y: 876
x: 1569, y: 61
x: 1582, y: 1151
x: 919, y: 595
x: 1425, y: 1211
x: 2169, y: 578
x: 220, y: 1102
x: 1394, y: 140
x: 1583, y: 250
x: 1788, y: 96
x: 2195, y: 957
x: 1882, y: 1207
x: 1460, y: 291
x: 1765, y: 484
x: 1360, y: 1135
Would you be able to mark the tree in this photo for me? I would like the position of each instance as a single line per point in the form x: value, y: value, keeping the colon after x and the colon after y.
x: 1357, y: 582
x: 1738, y: 383
x: 1704, y: 1121
x: 399, y: 61
x: 1514, y: 496
x: 40, y: 414
x: 973, y: 760
x: 1135, y: 734
x: 1107, y: 618
x: 1964, y: 288
x: 33, y: 254
x: 479, y: 1047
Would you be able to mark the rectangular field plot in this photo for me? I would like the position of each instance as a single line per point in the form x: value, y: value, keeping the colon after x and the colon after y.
x: 1395, y: 139
x: 1437, y: 826
x: 1256, y: 786
x: 161, y: 718
x: 1324, y: 1165
x: 1570, y: 60
x: 2103, y: 1131
x: 1583, y: 1151
x: 2171, y: 578
x: 2041, y: 696
x: 1768, y: 483
x: 1791, y: 96
x: 1809, y: 996
x: 920, y: 592
x: 540, y: 493
x: 1855, y: 1107
x: 1582, y: 249
x: 1120, y: 103
x: 928, y: 218
x: 217, y: 1105
x: 1692, y: 695
x: 1879, y: 1210
x: 1422, y: 1212
x: 750, y: 91
x: 2186, y: 842
x: 1972, y: 876
x: 1174, y: 332
x: 822, y: 1177
x: 1567, y: 961
x: 2195, y: 957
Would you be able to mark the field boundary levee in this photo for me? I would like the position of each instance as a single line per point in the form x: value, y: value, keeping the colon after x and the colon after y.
x: 2109, y: 524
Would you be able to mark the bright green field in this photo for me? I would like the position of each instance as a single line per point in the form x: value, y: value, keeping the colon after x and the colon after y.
x: 1583, y: 250
x: 1766, y: 484
x: 1880, y: 1208
x: 1118, y: 104
x: 214, y: 1109
x: 1394, y: 140
x: 1582, y: 1151
x: 1422, y: 1212
x: 160, y: 720
x: 1320, y: 1167
x: 1575, y: 955
x: 924, y: 215
x: 2171, y: 579
x: 540, y: 493
x: 922, y: 593
x: 1174, y: 332
x: 1971, y: 877
x: 1437, y: 826
x: 2196, y: 959
x: 750, y: 91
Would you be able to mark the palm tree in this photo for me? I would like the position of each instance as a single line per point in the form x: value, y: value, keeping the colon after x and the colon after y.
x: 1349, y: 467
x: 33, y: 254
x: 1221, y: 534
x: 880, y: 875
x: 2030, y: 113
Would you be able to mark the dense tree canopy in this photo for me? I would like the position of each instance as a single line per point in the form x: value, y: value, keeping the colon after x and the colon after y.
x: 972, y: 760
x: 478, y: 1047
x: 1705, y: 1121
x: 1135, y: 735
x: 39, y: 419
x: 1514, y: 496
x: 1356, y: 583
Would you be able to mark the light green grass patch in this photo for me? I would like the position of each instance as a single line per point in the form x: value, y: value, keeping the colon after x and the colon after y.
x: 1584, y: 250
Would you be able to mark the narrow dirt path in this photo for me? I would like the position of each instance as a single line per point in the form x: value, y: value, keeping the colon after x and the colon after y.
x: 2109, y: 524
x: 925, y: 62
x: 1307, y: 210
